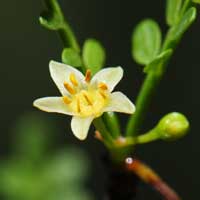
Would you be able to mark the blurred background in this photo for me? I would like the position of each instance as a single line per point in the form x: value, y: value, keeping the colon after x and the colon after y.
x: 25, y: 51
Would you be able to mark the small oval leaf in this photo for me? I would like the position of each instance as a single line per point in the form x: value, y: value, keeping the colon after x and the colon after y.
x: 93, y: 55
x: 146, y: 41
x: 71, y: 57
x: 173, y: 9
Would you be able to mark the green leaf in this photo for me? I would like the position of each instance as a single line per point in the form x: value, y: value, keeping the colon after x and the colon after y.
x: 173, y: 9
x: 93, y: 55
x: 196, y: 1
x: 146, y: 41
x: 185, y: 22
x: 178, y: 30
x: 159, y: 63
x: 52, y: 18
x: 71, y: 57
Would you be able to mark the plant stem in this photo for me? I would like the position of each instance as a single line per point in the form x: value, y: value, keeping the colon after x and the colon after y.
x: 150, y: 84
x: 142, y: 103
x: 152, y: 135
x: 112, y: 123
x: 150, y: 177
x: 105, y: 134
x: 68, y: 38
x: 185, y: 6
x: 54, y: 20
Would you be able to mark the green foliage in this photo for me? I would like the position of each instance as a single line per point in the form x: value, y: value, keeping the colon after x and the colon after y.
x: 52, y: 18
x: 37, y: 173
x: 177, y: 31
x: 158, y: 64
x: 173, y: 11
x: 93, y: 55
x: 196, y: 1
x: 146, y: 41
x: 184, y: 23
x: 71, y: 57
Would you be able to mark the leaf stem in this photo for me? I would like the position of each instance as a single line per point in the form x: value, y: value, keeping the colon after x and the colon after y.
x: 150, y: 136
x: 185, y: 6
x: 105, y: 134
x: 148, y: 88
x: 54, y: 19
x: 68, y: 38
x: 112, y: 123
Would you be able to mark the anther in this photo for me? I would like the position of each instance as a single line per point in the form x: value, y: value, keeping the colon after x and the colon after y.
x: 73, y: 80
x: 87, y: 99
x: 88, y: 76
x: 69, y: 88
x: 67, y: 100
x: 78, y: 106
x: 102, y: 86
x: 102, y: 94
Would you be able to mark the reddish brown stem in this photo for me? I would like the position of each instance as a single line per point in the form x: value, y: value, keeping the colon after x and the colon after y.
x: 150, y: 177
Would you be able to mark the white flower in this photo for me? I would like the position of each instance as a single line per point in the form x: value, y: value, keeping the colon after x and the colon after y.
x: 84, y: 98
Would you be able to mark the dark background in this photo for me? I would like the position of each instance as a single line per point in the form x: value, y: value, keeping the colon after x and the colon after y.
x: 26, y: 48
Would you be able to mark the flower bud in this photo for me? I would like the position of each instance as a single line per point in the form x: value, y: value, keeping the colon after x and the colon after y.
x: 172, y: 126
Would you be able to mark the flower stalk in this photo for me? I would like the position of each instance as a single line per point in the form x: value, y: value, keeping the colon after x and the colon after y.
x: 146, y: 174
x: 54, y: 19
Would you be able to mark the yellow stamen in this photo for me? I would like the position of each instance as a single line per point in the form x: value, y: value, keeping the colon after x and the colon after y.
x: 78, y: 105
x: 69, y: 88
x: 88, y: 76
x: 87, y: 99
x: 73, y: 80
x: 67, y: 100
x: 102, y: 94
x: 102, y: 86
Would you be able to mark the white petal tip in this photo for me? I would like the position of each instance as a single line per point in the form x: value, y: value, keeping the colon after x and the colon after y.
x: 35, y: 103
x: 81, y: 137
x: 132, y: 109
x: 52, y: 64
x: 80, y: 127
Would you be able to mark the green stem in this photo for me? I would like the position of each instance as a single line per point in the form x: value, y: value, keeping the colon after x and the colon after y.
x: 105, y: 134
x: 68, y: 38
x: 150, y: 84
x: 112, y: 123
x: 142, y: 103
x: 152, y: 135
x: 186, y: 5
x: 54, y: 19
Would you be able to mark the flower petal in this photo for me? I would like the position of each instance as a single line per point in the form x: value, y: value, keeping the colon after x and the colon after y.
x: 80, y: 126
x: 60, y: 73
x: 110, y: 76
x: 120, y: 103
x: 52, y: 104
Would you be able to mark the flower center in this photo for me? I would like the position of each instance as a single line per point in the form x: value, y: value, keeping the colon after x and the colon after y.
x: 86, y: 100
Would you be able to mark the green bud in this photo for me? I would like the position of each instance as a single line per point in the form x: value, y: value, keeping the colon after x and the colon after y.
x: 172, y: 126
